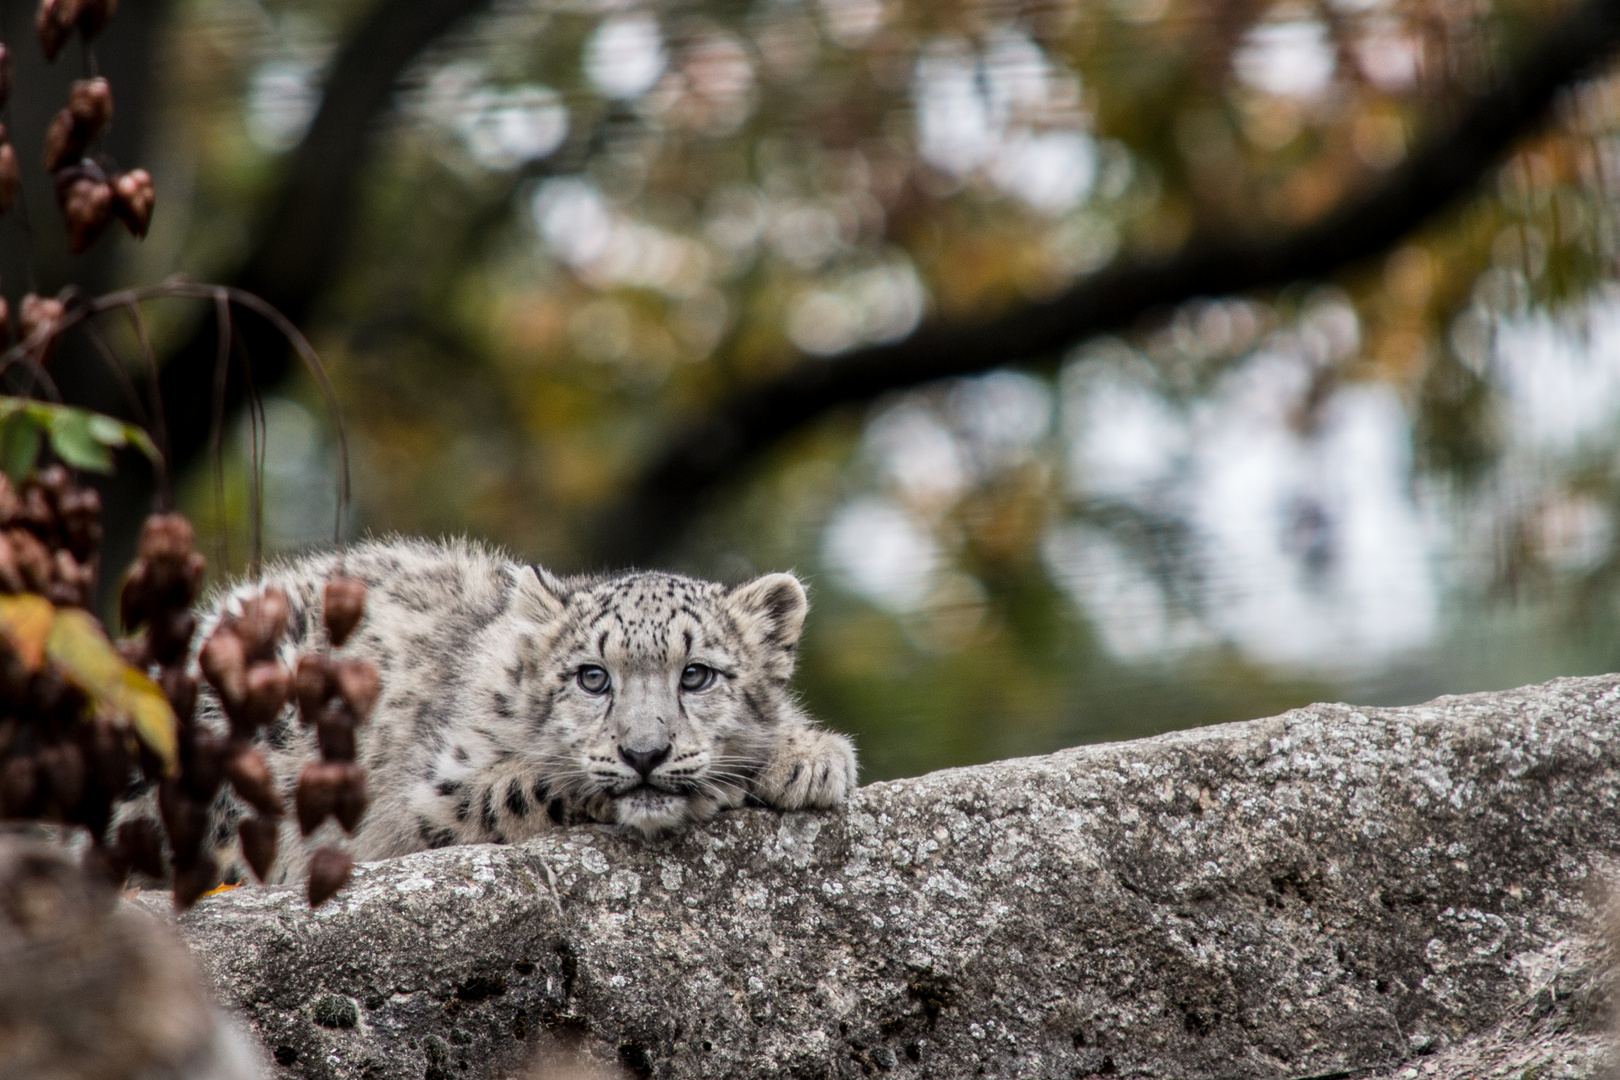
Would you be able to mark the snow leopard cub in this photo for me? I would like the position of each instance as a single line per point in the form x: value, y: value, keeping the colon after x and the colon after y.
x: 513, y: 700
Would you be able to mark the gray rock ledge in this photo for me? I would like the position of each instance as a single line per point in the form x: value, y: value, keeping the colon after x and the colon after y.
x: 1337, y: 891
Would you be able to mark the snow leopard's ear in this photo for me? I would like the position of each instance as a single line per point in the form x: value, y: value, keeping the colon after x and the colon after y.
x: 540, y: 596
x: 770, y: 612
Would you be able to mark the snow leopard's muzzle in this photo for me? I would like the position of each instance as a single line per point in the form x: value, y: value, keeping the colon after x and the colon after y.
x: 653, y: 763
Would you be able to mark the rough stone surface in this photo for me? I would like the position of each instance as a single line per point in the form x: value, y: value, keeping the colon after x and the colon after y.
x: 1338, y: 891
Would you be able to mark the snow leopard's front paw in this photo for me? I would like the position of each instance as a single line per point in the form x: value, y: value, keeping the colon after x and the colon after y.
x: 811, y: 768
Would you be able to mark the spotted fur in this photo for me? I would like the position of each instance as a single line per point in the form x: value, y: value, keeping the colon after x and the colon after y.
x: 484, y: 731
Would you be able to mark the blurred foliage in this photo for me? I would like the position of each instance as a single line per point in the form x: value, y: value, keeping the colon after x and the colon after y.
x: 590, y: 220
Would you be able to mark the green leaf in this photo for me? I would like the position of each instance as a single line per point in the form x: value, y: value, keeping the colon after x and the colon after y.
x: 81, y: 438
x: 107, y: 431
x: 19, y: 444
x: 143, y: 442
x: 115, y: 433
x: 75, y: 442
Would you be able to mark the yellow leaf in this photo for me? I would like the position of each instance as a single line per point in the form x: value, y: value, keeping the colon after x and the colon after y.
x: 79, y: 646
x: 152, y: 718
x: 25, y: 622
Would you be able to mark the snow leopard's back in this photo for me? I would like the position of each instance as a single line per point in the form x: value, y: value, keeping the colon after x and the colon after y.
x: 513, y: 701
x: 427, y: 605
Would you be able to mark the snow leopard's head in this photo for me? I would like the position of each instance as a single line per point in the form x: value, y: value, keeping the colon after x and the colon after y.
x: 662, y: 696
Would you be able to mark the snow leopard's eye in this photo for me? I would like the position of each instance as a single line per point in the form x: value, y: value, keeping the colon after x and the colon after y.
x: 697, y: 677
x: 592, y: 679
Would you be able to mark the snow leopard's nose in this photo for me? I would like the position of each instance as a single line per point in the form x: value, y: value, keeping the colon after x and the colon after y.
x: 644, y: 761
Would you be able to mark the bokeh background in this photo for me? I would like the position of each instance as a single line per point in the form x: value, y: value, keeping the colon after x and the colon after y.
x: 564, y: 231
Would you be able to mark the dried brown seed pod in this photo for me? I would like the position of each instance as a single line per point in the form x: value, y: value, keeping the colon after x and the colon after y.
x: 80, y: 511
x: 87, y: 209
x: 39, y: 315
x: 53, y: 23
x: 166, y: 536
x: 262, y: 623
x: 343, y: 607
x: 194, y: 879
x: 35, y: 510
x: 64, y: 142
x: 10, y: 177
x: 329, y: 871
x: 352, y: 799
x: 269, y: 685
x: 334, y: 730
x: 55, y: 481
x: 316, y: 795
x: 63, y: 594
x: 134, y: 599
x: 68, y: 571
x: 19, y: 785
x: 202, y: 764
x: 359, y: 683
x: 170, y: 583
x: 11, y: 578
x: 48, y: 692
x: 33, y: 559
x: 185, y: 820
x: 133, y: 651
x: 224, y: 665
x: 141, y: 845
x: 191, y: 575
x: 91, y: 104
x: 13, y: 685
x: 180, y: 687
x: 87, y: 572
x: 62, y: 767
x: 94, y: 15
x: 134, y: 198
x: 170, y: 634
x: 251, y: 778
x: 314, y: 685
x: 258, y: 837
x: 106, y: 754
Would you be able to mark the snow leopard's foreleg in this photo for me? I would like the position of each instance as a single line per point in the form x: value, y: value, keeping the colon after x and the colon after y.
x: 810, y: 767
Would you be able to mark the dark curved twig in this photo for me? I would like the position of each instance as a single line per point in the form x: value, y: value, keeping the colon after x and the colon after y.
x: 117, y: 371
x: 317, y: 371
x: 223, y: 336
x: 27, y: 351
x: 715, y: 449
x: 159, y: 428
x: 303, y: 238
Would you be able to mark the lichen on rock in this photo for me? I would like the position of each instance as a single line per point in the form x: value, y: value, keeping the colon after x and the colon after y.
x: 1334, y: 890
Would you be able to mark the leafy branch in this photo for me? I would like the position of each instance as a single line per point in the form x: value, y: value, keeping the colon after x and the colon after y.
x: 81, y: 438
x: 715, y: 448
x: 81, y: 719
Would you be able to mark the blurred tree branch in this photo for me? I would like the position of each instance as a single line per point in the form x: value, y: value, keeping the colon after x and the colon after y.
x: 303, y: 237
x: 716, y: 448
